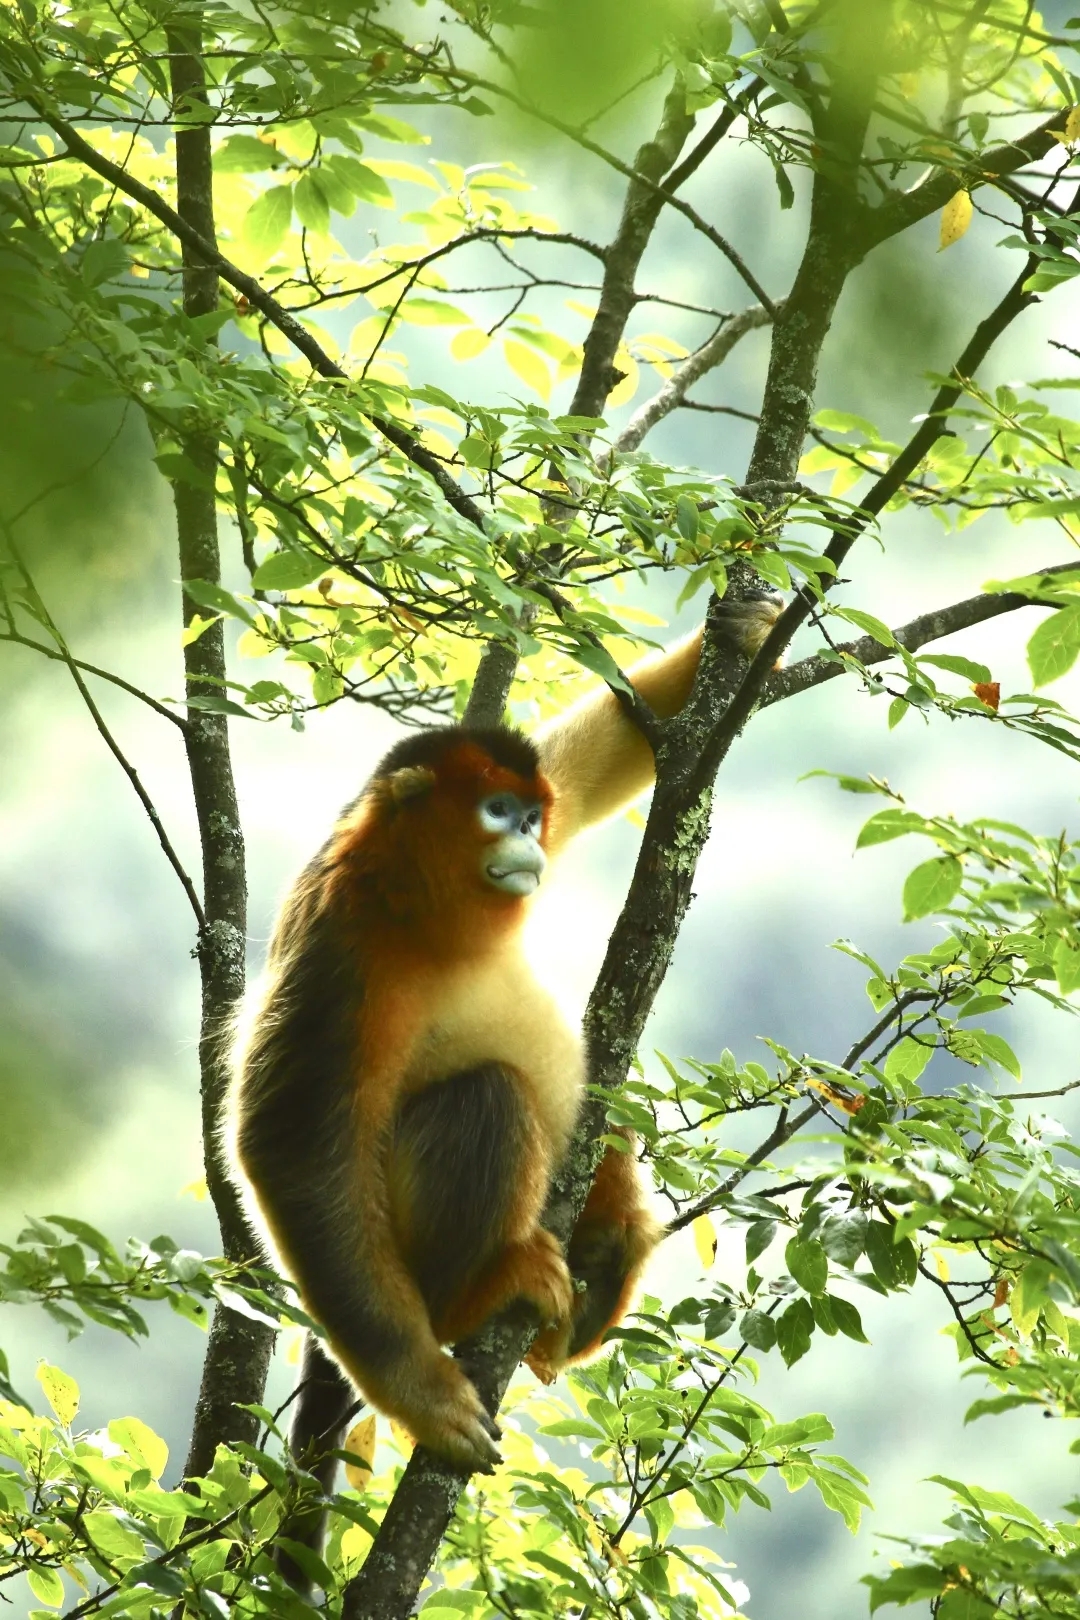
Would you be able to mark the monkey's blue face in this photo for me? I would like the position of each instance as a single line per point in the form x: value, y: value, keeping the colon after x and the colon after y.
x: 513, y: 860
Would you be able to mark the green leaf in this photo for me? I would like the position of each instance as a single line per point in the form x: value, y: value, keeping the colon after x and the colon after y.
x: 433, y: 312
x: 842, y: 1495
x: 808, y: 1264
x: 895, y: 1264
x: 804, y: 1431
x: 847, y: 1318
x: 975, y: 673
x: 843, y: 1237
x: 912, y: 1583
x: 268, y: 219
x: 998, y: 1050
x: 908, y: 1059
x: 1067, y: 965
x: 46, y: 1586
x: 111, y: 1537
x: 868, y: 623
x: 686, y: 518
x: 104, y: 261
x: 244, y: 154
x: 932, y: 886
x: 207, y: 594
x: 1053, y: 649
x: 794, y: 1328
x: 364, y: 182
x: 759, y: 1234
x: 312, y: 208
x: 845, y: 422
x: 193, y: 1310
x: 884, y: 825
x: 288, y: 571
x: 758, y: 1330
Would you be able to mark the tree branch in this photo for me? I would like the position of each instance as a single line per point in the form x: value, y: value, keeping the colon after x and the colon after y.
x: 916, y: 633
x: 491, y: 686
x: 662, y: 192
x: 933, y: 192
x: 738, y: 711
x: 641, y: 209
x: 707, y: 358
x: 64, y: 656
x: 92, y: 669
x: 202, y: 250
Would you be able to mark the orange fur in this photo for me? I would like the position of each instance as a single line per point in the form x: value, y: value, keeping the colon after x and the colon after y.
x: 397, y: 995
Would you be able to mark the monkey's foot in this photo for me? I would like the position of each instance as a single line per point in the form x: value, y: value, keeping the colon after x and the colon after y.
x: 547, y: 1357
x: 445, y: 1414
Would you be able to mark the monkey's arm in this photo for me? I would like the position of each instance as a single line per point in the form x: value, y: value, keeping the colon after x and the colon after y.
x: 314, y: 1113
x: 595, y: 757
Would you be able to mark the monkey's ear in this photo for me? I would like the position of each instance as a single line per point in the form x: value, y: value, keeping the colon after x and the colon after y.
x: 410, y: 782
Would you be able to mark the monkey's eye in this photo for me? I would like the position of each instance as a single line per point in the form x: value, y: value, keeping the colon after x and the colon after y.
x: 506, y: 813
x: 499, y: 813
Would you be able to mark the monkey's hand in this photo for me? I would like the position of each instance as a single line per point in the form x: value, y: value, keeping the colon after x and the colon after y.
x: 745, y: 624
x: 545, y: 1277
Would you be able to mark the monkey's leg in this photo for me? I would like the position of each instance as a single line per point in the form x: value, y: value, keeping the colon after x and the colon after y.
x: 611, y: 1242
x: 324, y: 1403
x: 314, y: 1135
x: 469, y: 1178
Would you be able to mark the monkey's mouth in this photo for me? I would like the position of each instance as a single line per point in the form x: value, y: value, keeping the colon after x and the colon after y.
x: 519, y: 880
x: 514, y: 865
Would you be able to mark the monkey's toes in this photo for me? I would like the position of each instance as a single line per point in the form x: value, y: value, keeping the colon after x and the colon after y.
x: 460, y: 1429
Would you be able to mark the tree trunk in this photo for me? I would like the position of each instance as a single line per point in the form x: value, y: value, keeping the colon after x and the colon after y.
x: 238, y: 1354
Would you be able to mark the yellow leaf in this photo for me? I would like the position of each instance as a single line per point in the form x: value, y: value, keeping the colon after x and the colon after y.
x: 1026, y: 1300
x: 942, y: 1265
x: 628, y: 386
x: 528, y: 366
x: 197, y: 1190
x: 61, y: 1392
x: 294, y: 1347
x: 145, y: 1448
x: 397, y: 169
x: 354, y: 1546
x: 636, y: 819
x: 1072, y: 126
x: 468, y: 344
x: 250, y: 645
x: 705, y: 1240
x: 955, y: 218
x: 195, y: 627
x: 360, y: 1440
x: 438, y: 443
x: 591, y: 1532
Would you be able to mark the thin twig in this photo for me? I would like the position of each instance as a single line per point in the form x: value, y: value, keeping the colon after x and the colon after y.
x: 92, y: 669
x: 707, y: 358
x: 106, y: 735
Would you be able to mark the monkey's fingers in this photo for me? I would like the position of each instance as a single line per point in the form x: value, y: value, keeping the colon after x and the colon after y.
x: 545, y: 1279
